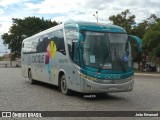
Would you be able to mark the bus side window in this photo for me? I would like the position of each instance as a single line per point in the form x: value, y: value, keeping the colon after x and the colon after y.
x: 26, y: 48
x: 70, y: 36
x: 39, y: 45
x: 56, y: 36
x: 59, y: 41
x: 23, y: 49
x: 22, y: 45
x: 42, y: 45
x: 34, y: 43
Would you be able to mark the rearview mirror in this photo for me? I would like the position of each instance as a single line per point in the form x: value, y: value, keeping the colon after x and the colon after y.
x: 138, y: 42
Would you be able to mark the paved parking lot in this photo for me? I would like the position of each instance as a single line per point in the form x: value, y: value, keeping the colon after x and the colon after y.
x: 16, y: 94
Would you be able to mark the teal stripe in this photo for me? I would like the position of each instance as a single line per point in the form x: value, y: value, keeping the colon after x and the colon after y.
x: 108, y: 74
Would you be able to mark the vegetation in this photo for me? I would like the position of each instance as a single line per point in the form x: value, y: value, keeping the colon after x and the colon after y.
x: 1, y: 58
x: 22, y: 28
x: 124, y: 19
x: 151, y: 41
x: 148, y: 30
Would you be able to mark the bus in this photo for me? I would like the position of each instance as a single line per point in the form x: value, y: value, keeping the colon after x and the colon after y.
x: 86, y: 57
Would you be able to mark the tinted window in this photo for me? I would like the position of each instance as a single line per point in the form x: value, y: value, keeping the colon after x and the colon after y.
x: 71, y: 34
x: 57, y: 37
x: 29, y: 46
x: 40, y: 44
x: 59, y: 41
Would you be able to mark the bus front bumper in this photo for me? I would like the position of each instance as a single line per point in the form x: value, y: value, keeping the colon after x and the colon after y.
x: 89, y: 86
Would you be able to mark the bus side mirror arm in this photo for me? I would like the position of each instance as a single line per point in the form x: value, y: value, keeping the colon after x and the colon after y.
x: 138, y: 42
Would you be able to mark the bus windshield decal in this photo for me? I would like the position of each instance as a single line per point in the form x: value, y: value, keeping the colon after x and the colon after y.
x: 94, y: 33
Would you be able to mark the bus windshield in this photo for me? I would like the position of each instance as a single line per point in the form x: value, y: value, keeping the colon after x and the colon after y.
x: 109, y: 50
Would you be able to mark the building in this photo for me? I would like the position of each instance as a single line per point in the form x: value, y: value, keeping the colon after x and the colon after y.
x: 6, y: 57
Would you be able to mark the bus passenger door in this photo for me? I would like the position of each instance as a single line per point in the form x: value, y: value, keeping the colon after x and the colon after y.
x: 75, y: 77
x: 75, y: 65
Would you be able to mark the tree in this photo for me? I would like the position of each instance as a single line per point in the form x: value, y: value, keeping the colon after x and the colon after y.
x: 1, y: 58
x: 138, y: 30
x: 124, y: 19
x: 147, y: 30
x: 152, y: 40
x: 22, y: 28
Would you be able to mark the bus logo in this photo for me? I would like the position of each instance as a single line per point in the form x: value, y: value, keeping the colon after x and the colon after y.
x: 51, y: 51
x: 6, y: 114
x: 126, y: 58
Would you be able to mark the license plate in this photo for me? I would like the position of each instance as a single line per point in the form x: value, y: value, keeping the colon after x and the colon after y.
x: 113, y: 88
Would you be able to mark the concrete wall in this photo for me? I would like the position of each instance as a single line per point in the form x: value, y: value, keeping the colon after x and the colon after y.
x: 7, y: 64
x: 135, y: 65
x: 150, y: 63
x: 158, y: 69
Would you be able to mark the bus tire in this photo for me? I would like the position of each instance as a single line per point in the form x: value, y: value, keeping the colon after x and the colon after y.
x: 63, y: 86
x: 31, y: 81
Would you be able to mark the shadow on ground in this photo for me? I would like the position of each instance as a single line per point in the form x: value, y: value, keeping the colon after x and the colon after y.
x: 84, y: 96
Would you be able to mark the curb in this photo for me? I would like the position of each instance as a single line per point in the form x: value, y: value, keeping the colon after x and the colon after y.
x: 146, y: 74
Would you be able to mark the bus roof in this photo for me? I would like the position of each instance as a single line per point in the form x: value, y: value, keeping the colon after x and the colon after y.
x: 103, y: 27
x: 45, y: 31
x: 91, y: 26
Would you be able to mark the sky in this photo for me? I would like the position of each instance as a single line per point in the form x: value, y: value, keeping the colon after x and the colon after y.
x: 63, y: 10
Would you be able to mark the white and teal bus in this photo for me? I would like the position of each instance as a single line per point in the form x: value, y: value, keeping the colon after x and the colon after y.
x: 80, y: 56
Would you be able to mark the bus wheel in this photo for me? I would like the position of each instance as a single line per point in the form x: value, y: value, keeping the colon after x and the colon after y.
x: 63, y: 86
x: 30, y: 77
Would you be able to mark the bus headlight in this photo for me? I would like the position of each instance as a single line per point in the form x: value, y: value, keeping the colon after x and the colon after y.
x: 88, y: 77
